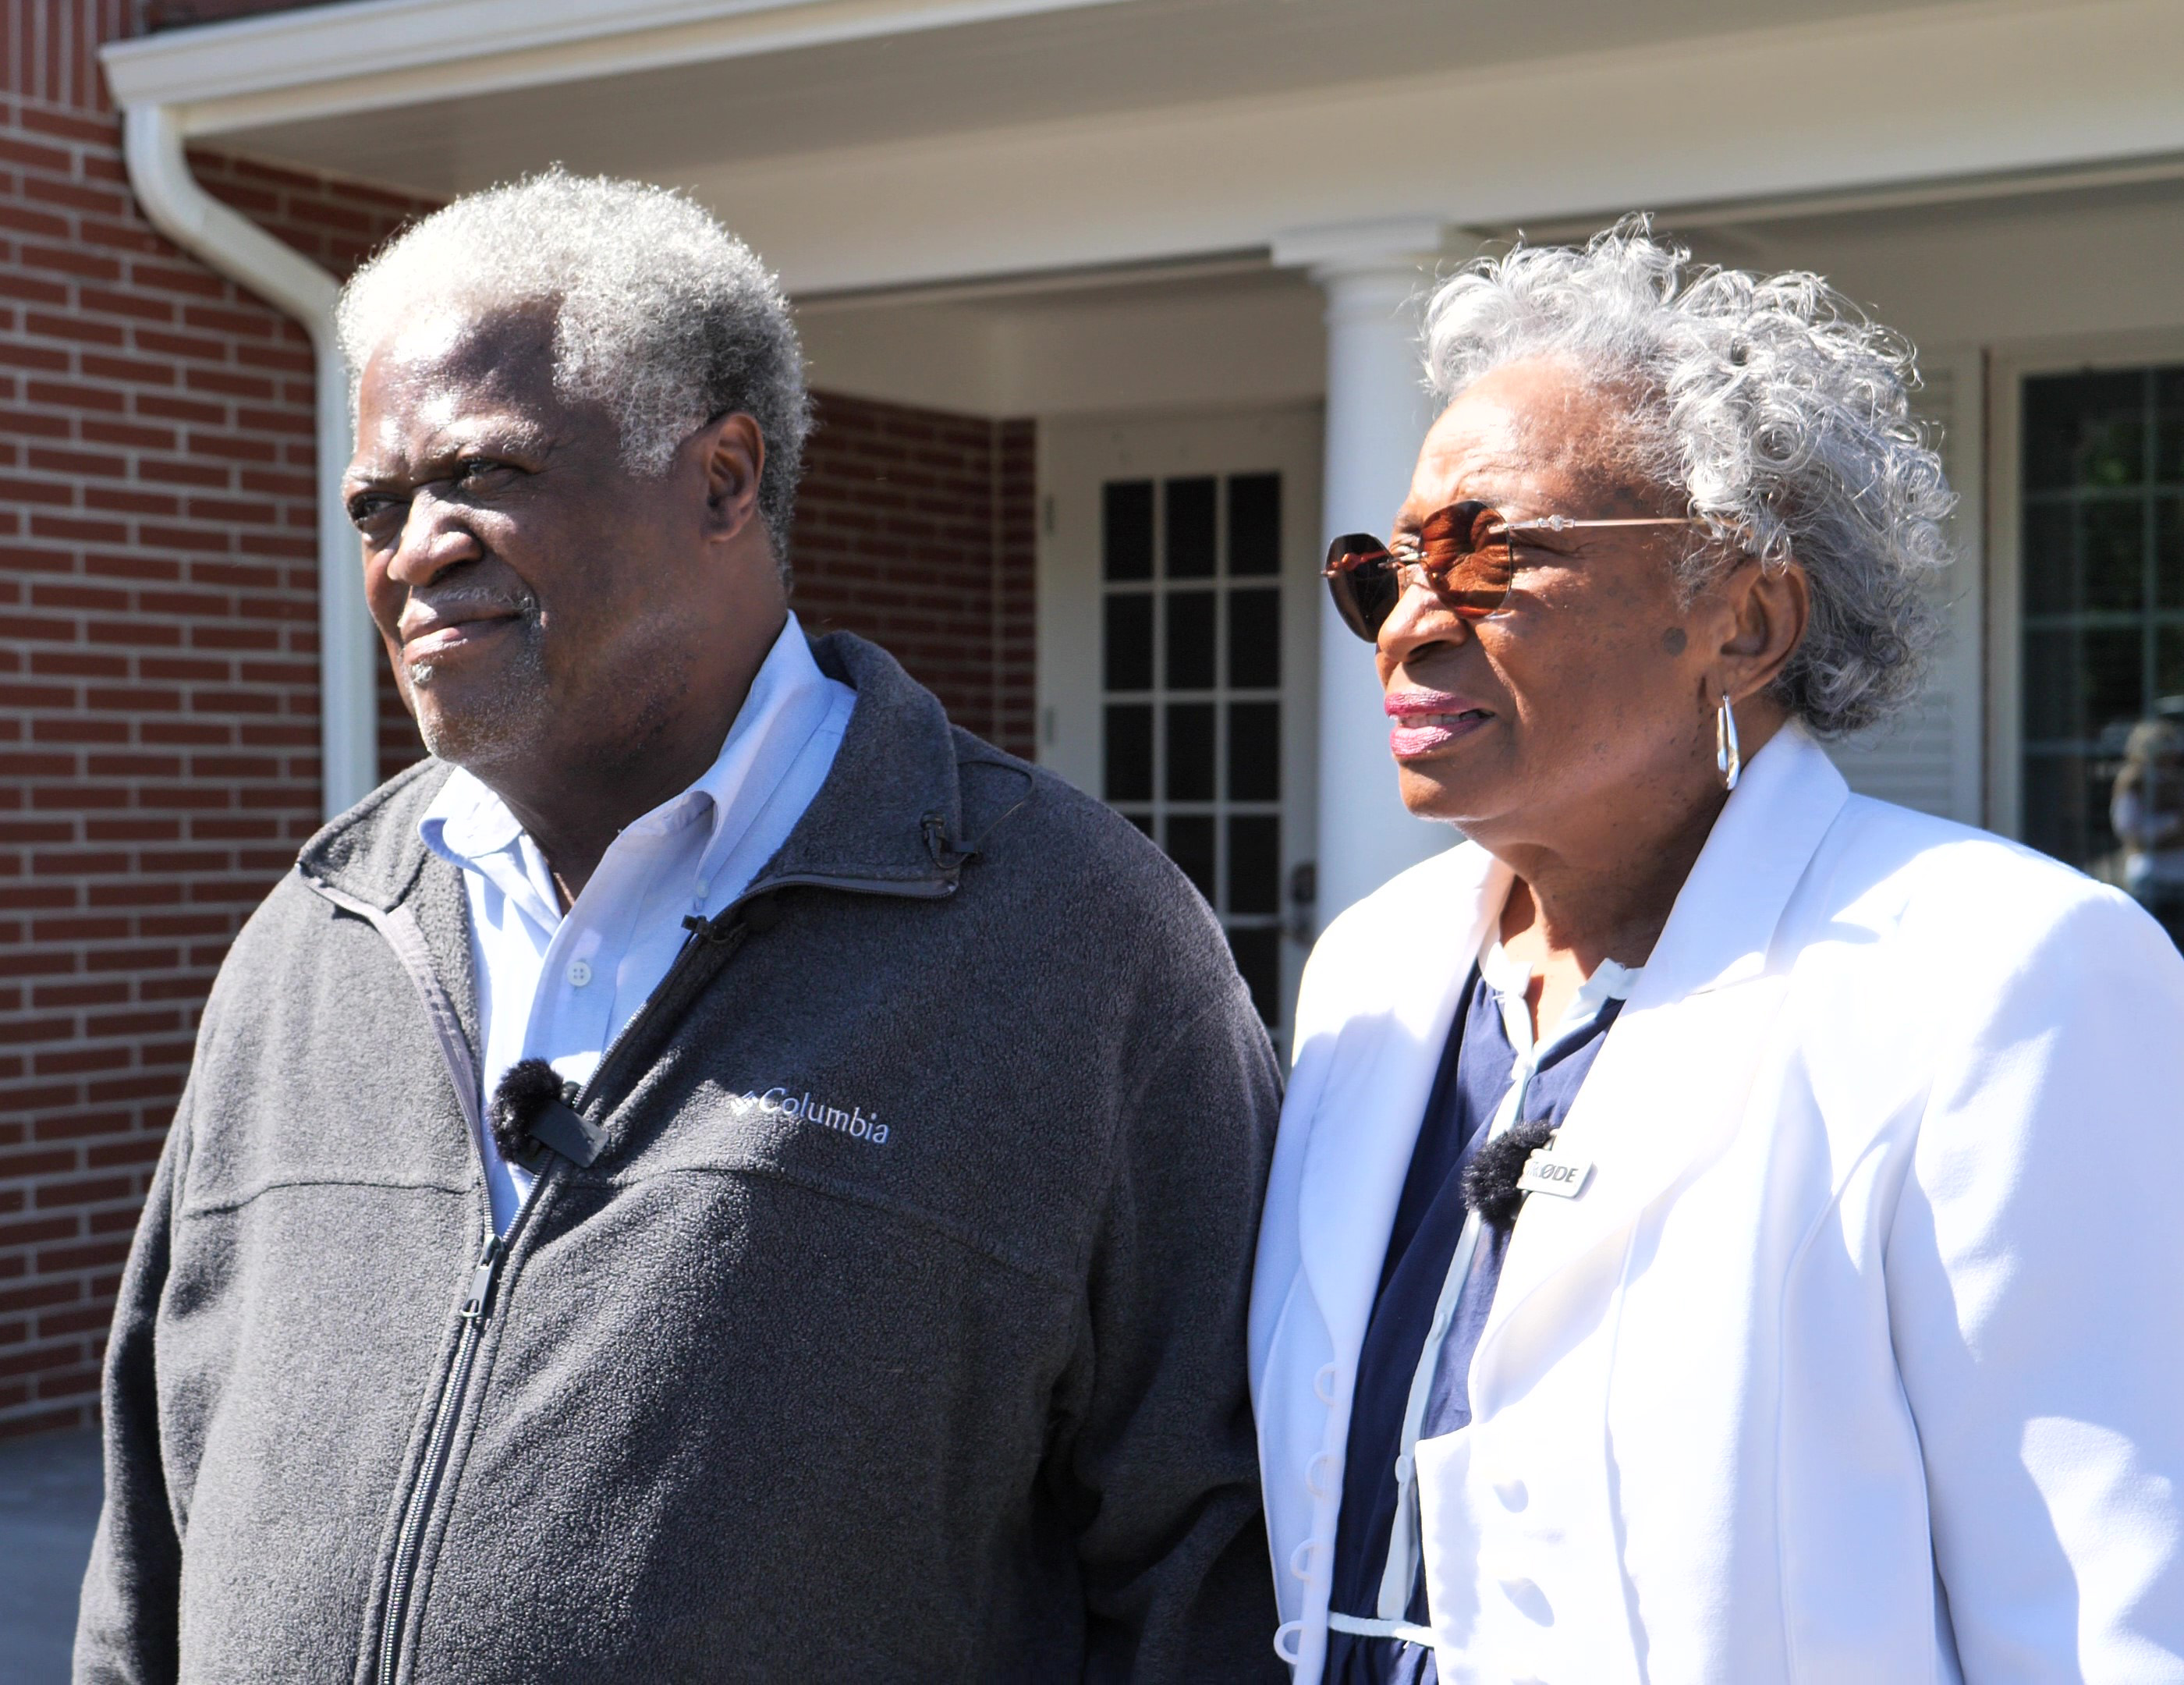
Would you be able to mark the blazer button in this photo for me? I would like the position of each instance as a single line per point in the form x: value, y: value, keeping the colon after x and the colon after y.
x: 1512, y: 1494
x: 1531, y: 1602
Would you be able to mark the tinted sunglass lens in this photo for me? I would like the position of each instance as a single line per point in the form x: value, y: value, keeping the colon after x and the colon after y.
x: 1362, y: 584
x: 1365, y: 597
x: 1374, y: 593
x: 1469, y: 558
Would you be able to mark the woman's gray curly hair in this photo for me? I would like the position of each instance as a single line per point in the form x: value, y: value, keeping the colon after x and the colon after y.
x: 660, y: 314
x: 1770, y: 406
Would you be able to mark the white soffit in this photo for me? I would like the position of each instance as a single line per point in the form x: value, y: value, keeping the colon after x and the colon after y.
x: 435, y: 94
x: 1932, y: 102
x: 991, y: 137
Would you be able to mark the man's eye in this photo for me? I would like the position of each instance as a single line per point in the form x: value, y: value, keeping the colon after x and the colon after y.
x: 365, y: 512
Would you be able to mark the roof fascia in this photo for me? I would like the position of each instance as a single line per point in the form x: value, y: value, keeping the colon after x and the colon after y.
x: 221, y: 77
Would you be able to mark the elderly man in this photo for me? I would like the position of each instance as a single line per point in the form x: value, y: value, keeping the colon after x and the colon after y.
x: 716, y: 1174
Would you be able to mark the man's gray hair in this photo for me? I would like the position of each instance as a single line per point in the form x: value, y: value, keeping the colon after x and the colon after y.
x: 661, y: 315
x: 1770, y: 405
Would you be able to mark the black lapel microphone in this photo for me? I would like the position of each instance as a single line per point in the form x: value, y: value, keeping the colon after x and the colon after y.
x: 1490, y: 1179
x: 533, y: 1111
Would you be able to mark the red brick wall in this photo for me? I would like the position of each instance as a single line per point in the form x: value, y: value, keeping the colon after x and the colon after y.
x: 914, y: 529
x: 158, y: 681
x: 337, y: 225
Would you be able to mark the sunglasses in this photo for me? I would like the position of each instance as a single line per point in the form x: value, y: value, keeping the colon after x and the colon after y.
x: 1467, y: 554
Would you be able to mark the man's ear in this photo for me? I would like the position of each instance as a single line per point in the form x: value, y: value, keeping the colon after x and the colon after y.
x: 1768, y: 609
x: 735, y: 460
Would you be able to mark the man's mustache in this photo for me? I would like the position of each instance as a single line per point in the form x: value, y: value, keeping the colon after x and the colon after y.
x: 430, y: 610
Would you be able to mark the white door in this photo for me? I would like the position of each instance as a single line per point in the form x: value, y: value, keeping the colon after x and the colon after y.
x: 1177, y: 603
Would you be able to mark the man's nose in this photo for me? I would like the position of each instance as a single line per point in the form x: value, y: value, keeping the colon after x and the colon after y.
x: 433, y: 540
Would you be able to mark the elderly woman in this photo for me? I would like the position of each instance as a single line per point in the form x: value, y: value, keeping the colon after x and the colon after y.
x: 1723, y: 1228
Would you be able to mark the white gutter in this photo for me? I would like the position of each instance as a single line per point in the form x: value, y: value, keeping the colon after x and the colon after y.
x: 183, y: 211
x: 319, y: 61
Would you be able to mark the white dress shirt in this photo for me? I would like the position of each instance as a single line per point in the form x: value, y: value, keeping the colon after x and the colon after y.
x: 560, y: 987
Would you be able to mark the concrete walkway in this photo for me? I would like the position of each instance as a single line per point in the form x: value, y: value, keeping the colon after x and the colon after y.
x: 49, y: 1493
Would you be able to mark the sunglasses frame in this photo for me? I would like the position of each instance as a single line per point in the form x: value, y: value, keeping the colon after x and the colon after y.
x: 1356, y: 553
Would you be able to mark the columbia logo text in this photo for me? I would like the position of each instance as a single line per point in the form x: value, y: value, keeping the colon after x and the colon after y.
x: 802, y: 1109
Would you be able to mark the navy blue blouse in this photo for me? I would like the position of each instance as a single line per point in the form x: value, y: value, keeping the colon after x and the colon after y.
x: 1476, y: 1068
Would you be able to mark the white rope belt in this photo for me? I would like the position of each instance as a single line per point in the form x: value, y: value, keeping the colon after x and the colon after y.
x: 1363, y: 1628
x: 1405, y: 1546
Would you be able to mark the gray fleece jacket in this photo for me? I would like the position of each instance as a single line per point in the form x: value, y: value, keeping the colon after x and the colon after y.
x: 757, y: 1393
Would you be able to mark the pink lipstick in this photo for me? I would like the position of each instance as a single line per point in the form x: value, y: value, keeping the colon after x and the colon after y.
x: 1427, y: 720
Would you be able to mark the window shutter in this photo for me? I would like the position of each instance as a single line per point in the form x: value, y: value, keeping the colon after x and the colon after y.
x: 1930, y: 759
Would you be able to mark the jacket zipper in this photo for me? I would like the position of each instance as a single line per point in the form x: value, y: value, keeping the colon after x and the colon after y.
x: 410, y: 949
x: 477, y: 1303
x: 416, y: 1510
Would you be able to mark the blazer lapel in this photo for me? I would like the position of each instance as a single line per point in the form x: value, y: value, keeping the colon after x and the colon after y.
x: 1671, y: 1080
x: 1379, y: 1072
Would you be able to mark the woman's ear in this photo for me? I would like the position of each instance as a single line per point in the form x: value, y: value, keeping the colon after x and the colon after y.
x: 1768, y: 608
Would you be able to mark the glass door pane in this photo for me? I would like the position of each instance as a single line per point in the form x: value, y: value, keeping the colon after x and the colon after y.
x: 1191, y: 667
x: 2104, y: 627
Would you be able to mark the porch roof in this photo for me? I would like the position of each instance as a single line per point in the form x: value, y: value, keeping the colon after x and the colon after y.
x: 875, y: 144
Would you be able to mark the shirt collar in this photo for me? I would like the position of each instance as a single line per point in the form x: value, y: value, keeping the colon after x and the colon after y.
x: 788, y: 699
x: 466, y: 821
x: 471, y: 827
x: 1511, y: 980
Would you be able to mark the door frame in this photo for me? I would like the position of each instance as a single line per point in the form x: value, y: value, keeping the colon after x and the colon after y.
x: 1076, y: 455
x: 2008, y: 367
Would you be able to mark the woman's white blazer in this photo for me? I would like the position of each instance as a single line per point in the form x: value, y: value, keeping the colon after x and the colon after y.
x: 1859, y: 1359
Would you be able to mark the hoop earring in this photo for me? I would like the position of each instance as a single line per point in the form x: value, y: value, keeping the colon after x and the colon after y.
x: 1728, y: 755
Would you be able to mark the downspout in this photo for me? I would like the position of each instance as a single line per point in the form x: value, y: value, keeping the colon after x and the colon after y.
x: 182, y: 209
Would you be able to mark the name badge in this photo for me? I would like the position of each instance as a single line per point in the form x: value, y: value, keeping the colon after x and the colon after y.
x: 1544, y: 1172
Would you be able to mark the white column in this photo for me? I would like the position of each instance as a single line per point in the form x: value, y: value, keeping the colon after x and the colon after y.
x: 1378, y: 410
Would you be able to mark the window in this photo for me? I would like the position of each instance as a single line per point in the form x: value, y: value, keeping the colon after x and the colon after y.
x: 1190, y: 683
x: 2103, y: 571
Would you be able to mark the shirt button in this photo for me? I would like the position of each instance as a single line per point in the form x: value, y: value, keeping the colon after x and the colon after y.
x: 1512, y: 1494
x: 580, y: 973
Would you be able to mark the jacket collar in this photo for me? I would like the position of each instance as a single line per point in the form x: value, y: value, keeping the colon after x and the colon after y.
x: 1667, y: 1090
x: 1722, y: 925
x: 892, y: 814
x: 1394, y: 1020
x: 372, y: 853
